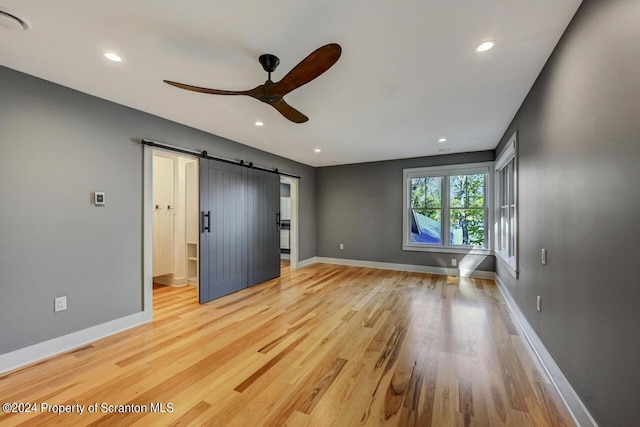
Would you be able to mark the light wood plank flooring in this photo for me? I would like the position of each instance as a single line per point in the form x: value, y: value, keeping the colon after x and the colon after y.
x: 323, y: 346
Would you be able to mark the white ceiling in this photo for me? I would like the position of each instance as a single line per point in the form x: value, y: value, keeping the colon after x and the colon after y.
x: 408, y: 74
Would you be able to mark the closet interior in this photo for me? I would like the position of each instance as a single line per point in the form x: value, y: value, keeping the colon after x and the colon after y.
x: 175, y: 219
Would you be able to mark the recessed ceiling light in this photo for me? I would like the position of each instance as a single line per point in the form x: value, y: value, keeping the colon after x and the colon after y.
x: 483, y: 47
x: 259, y: 123
x: 442, y: 140
x: 443, y: 150
x: 317, y: 150
x: 12, y: 21
x: 112, y: 57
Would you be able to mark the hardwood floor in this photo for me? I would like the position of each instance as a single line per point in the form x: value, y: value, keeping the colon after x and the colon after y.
x: 325, y: 345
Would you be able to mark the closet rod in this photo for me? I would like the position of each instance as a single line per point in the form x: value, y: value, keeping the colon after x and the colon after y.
x: 206, y: 155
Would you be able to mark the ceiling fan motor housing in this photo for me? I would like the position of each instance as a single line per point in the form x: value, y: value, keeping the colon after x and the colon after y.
x: 269, y: 62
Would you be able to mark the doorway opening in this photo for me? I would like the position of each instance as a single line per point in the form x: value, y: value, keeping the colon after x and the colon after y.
x: 289, y: 196
x: 289, y: 220
x: 285, y: 219
x: 175, y: 207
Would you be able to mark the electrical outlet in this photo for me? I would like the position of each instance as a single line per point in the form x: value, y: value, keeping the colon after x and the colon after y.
x: 543, y: 256
x: 341, y: 246
x: 59, y: 304
x: 539, y: 303
x: 454, y: 262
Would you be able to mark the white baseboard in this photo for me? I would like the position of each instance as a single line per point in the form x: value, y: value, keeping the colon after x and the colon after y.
x: 285, y: 256
x: 168, y: 280
x: 36, y: 352
x: 578, y: 411
x: 306, y: 262
x: 408, y: 267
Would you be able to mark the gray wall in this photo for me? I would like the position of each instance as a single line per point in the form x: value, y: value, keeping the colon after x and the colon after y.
x: 57, y: 146
x: 360, y: 205
x: 579, y: 133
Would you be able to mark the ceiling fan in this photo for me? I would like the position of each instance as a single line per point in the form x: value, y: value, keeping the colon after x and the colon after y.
x: 271, y: 93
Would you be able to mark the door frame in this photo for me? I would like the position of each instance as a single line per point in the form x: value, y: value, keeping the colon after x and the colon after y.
x: 294, y: 185
x: 147, y: 226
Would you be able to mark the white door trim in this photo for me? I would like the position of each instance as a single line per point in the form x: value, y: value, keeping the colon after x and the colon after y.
x: 294, y: 185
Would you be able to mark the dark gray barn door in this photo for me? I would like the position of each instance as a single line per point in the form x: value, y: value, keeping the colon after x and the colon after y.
x: 223, y: 237
x: 264, y: 230
x: 239, y: 236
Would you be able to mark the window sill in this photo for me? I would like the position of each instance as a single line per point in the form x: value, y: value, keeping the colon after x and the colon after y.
x: 504, y: 263
x: 448, y: 249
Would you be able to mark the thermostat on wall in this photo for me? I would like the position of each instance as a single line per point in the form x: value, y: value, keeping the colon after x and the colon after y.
x: 98, y: 198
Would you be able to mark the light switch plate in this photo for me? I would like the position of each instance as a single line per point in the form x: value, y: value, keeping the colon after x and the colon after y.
x: 59, y: 304
x: 99, y: 198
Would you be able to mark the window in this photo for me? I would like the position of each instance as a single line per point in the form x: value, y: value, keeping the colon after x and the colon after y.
x: 506, y: 176
x: 446, y: 207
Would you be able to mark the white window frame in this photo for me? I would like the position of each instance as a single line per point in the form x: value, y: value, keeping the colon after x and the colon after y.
x: 445, y: 171
x: 509, y: 261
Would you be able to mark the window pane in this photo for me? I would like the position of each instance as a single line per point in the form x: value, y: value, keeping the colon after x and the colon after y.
x: 457, y: 191
x: 434, y: 192
x: 510, y: 199
x: 512, y: 231
x: 426, y: 192
x: 475, y: 190
x: 504, y: 228
x: 466, y: 191
x: 467, y: 227
x: 418, y: 198
x: 504, y: 186
x: 426, y: 226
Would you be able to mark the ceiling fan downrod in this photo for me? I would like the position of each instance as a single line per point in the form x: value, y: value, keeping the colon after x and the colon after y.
x: 269, y: 63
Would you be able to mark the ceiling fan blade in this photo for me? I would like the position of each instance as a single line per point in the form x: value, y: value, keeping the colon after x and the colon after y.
x: 206, y: 90
x: 308, y: 69
x: 289, y: 112
x: 271, y: 93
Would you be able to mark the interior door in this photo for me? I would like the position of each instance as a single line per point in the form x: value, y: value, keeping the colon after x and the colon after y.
x: 264, y: 226
x: 223, y: 233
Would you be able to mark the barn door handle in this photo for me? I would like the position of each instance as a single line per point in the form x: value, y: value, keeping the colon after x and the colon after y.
x: 206, y: 225
x: 278, y: 219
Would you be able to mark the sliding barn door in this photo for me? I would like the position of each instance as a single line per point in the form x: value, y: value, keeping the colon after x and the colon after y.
x: 264, y: 226
x: 223, y: 237
x: 239, y: 235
